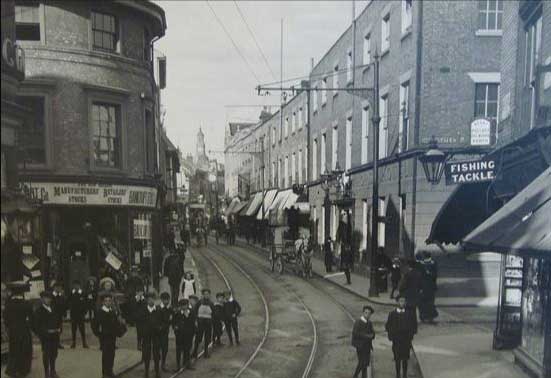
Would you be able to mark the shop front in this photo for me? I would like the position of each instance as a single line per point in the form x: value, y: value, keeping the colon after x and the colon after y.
x: 96, y: 230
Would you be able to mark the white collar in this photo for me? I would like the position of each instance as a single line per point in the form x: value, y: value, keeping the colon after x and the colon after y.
x: 56, y: 294
x: 77, y: 291
x: 163, y: 305
x: 400, y: 310
x: 48, y: 308
x: 363, y: 319
x: 139, y: 297
x: 150, y: 309
x: 105, y: 308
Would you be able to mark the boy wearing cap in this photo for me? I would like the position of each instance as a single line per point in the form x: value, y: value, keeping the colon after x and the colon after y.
x: 77, y: 309
x: 232, y: 309
x: 106, y: 326
x: 136, y: 309
x: 47, y: 327
x: 59, y: 305
x: 203, y: 310
x: 166, y: 311
x: 401, y: 326
x: 151, y: 327
x: 362, y: 339
x: 218, y: 318
x: 183, y: 324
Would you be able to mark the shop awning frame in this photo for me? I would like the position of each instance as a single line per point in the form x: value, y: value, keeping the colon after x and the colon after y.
x: 269, y: 197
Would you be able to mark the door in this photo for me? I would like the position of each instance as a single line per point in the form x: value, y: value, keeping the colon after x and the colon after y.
x: 79, y: 266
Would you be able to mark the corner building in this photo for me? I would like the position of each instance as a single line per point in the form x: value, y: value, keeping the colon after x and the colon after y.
x: 439, y: 70
x: 92, y: 148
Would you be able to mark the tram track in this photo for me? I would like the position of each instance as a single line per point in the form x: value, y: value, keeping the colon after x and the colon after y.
x: 315, y: 339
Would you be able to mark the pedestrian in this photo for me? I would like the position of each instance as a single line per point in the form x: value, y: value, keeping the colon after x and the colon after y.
x: 183, y: 324
x: 362, y: 339
x: 166, y: 319
x: 218, y: 318
x: 174, y: 270
x: 344, y: 238
x: 107, y: 326
x: 91, y: 296
x: 427, y: 308
x: 232, y: 309
x: 328, y: 250
x: 410, y: 286
x: 59, y: 305
x: 401, y: 327
x: 188, y: 286
x: 395, y: 275
x: 151, y: 322
x: 203, y: 311
x: 17, y: 317
x: 77, y: 309
x: 46, y: 326
x: 347, y: 262
x: 136, y: 308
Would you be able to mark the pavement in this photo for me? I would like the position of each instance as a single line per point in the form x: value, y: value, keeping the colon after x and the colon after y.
x: 459, y: 345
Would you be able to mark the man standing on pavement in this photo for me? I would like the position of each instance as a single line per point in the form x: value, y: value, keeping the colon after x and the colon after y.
x: 328, y: 251
x: 232, y: 309
x: 59, y: 305
x: 77, y: 309
x: 151, y: 328
x: 410, y: 286
x: 166, y: 311
x: 107, y: 327
x: 362, y: 339
x: 203, y: 310
x: 46, y: 327
x: 174, y: 270
x: 218, y: 318
x: 427, y: 308
x: 401, y: 327
x: 183, y: 324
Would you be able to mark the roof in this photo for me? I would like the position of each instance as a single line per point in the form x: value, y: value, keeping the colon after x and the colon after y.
x: 236, y: 126
x: 151, y: 9
x: 522, y: 225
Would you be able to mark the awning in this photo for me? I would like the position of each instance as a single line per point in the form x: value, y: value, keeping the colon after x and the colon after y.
x: 522, y: 225
x: 197, y: 206
x: 255, y: 204
x: 290, y: 201
x: 239, y: 207
x: 234, y: 202
x: 268, y: 199
x: 243, y: 209
x: 281, y: 196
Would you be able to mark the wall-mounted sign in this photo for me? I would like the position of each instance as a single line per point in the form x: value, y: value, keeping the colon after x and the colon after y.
x: 469, y: 171
x: 83, y: 194
x: 481, y: 132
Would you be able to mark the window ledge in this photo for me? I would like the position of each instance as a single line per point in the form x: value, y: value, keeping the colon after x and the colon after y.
x: 385, y: 51
x: 488, y: 33
x: 406, y: 33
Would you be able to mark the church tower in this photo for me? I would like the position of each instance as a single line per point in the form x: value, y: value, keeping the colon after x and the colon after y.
x: 202, y: 161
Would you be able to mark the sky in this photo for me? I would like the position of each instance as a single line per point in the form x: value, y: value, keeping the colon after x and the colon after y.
x: 207, y: 77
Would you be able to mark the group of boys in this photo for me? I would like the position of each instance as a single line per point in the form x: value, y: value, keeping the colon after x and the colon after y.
x: 193, y: 320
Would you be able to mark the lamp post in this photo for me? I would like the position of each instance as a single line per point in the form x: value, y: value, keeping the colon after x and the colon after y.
x: 433, y: 162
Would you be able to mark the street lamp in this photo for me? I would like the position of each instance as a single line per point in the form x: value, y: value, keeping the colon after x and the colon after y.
x: 433, y: 162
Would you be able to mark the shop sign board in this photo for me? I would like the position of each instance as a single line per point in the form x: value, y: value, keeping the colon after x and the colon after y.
x: 142, y: 229
x: 83, y: 194
x: 464, y: 172
x: 481, y: 132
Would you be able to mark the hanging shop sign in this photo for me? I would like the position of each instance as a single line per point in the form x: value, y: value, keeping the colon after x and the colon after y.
x: 464, y: 172
x: 82, y: 194
x: 142, y: 229
x: 482, y: 132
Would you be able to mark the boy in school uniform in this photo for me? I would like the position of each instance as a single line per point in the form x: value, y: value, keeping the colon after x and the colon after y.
x: 166, y: 311
x: 203, y: 310
x: 183, y: 323
x: 136, y: 309
x: 46, y: 326
x: 77, y: 309
x: 59, y: 305
x: 232, y: 309
x: 218, y: 318
x: 151, y: 323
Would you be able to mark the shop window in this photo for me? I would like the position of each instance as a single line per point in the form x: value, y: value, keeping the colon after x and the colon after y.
x: 349, y: 68
x: 27, y: 22
x: 486, y: 100
x: 106, y: 135
x: 532, y: 56
x: 490, y: 14
x: 335, y: 80
x: 105, y: 35
x: 348, y: 137
x: 32, y: 143
x: 324, y: 91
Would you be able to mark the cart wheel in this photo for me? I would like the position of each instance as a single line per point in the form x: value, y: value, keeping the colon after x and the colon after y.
x: 279, y: 265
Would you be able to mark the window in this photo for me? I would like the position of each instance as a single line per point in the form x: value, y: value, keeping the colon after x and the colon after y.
x: 349, y: 68
x: 315, y: 159
x: 279, y: 178
x: 532, y: 57
x: 335, y: 80
x: 486, y: 98
x: 324, y: 91
x: 147, y: 53
x: 385, y: 33
x: 32, y: 135
x: 348, y: 137
x: 27, y: 22
x: 403, y: 131
x: 490, y: 14
x: 365, y: 215
x: 367, y: 50
x: 274, y: 131
x: 315, y: 98
x: 323, y: 157
x: 299, y: 166
x: 365, y: 133
x: 286, y: 181
x: 294, y: 122
x: 106, y: 140
x: 104, y: 32
x: 293, y: 167
x: 149, y: 133
x: 286, y: 127
x: 335, y: 147
x: 300, y: 118
x: 305, y: 164
x: 407, y: 15
x: 274, y: 173
x: 383, y: 131
x: 381, y: 224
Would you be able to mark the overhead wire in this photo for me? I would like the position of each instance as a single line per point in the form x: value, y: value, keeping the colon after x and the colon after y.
x: 254, y: 39
x: 237, y: 49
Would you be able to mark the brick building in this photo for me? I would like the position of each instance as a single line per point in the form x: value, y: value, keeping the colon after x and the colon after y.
x: 94, y: 146
x: 437, y: 74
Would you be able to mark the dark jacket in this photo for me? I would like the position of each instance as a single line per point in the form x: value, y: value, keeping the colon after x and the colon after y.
x: 410, y: 286
x: 59, y: 305
x: 204, y: 309
x: 184, y: 326
x: 173, y: 269
x: 18, y: 316
x: 166, y: 314
x: 106, y: 324
x: 135, y: 310
x: 77, y: 304
x: 218, y: 314
x: 151, y: 322
x: 363, y: 334
x: 45, y: 322
x: 401, y: 326
x: 232, y: 309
